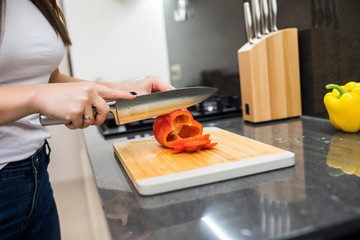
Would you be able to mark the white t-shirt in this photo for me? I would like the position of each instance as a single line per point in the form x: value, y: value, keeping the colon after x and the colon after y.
x: 29, y: 52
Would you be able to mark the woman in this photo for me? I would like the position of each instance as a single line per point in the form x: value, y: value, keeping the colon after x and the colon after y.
x: 33, y: 38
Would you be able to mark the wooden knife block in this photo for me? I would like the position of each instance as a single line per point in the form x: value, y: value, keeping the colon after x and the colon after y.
x: 270, y: 77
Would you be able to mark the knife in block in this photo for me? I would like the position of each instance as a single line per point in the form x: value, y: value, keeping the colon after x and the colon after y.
x: 269, y: 74
x: 253, y: 67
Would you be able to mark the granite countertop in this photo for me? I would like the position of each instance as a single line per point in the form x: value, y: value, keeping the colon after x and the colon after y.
x: 318, y: 198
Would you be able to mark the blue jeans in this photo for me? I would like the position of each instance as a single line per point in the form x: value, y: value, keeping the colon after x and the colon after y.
x: 27, y: 206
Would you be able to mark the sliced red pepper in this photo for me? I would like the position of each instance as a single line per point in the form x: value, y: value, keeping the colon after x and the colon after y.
x: 192, y: 148
x: 191, y: 139
x: 179, y: 146
x: 178, y: 151
x: 208, y: 145
x: 196, y: 143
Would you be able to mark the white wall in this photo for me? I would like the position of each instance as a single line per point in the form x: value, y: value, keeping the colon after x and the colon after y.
x: 117, y: 40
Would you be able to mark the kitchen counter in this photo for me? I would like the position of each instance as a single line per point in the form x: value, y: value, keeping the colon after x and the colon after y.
x: 318, y: 198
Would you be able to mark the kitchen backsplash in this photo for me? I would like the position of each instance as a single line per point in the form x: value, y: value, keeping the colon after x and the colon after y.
x: 204, y: 48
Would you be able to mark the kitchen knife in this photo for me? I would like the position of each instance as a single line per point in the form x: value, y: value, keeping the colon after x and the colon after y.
x: 149, y: 105
x: 248, y: 23
x: 264, y: 9
x: 256, y: 17
x: 273, y: 15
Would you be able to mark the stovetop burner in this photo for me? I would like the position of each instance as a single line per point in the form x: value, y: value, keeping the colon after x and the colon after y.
x: 213, y: 108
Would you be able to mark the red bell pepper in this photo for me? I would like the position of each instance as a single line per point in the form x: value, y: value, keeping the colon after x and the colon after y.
x: 179, y: 130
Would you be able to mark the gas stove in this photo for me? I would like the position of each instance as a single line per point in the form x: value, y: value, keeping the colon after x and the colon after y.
x: 213, y: 108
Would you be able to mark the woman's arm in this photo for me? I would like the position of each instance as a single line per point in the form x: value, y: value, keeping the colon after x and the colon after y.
x: 17, y: 102
x: 57, y: 77
x: 142, y: 86
x: 68, y: 98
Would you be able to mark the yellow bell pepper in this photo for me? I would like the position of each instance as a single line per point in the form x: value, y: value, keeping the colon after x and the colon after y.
x: 343, y: 106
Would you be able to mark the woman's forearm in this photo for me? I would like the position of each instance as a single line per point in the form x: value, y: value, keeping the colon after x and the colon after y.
x: 57, y: 77
x: 17, y: 102
x: 142, y: 86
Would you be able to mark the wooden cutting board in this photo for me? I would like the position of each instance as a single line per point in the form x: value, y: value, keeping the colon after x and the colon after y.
x: 154, y: 169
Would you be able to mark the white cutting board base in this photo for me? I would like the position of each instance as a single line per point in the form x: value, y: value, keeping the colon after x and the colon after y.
x: 154, y: 169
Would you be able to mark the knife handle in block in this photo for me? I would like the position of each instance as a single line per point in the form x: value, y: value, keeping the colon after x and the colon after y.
x: 248, y: 23
x: 292, y: 71
x: 254, y: 81
x: 273, y: 15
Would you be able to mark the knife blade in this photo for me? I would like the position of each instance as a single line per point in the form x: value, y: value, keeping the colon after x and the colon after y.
x: 273, y: 15
x: 149, y: 105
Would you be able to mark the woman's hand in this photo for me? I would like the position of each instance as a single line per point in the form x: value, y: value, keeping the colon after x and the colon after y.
x: 82, y: 96
x: 96, y: 92
x: 74, y: 101
x: 143, y: 86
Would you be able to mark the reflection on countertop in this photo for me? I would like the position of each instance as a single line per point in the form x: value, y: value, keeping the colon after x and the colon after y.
x: 292, y: 203
x: 344, y: 154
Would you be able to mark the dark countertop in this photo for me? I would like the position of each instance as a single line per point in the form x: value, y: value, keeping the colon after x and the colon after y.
x: 316, y: 199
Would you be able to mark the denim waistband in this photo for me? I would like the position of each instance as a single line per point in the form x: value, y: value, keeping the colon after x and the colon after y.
x: 25, y: 167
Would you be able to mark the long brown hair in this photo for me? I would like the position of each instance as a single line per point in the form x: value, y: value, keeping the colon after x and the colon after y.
x: 51, y: 12
x: 2, y: 17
